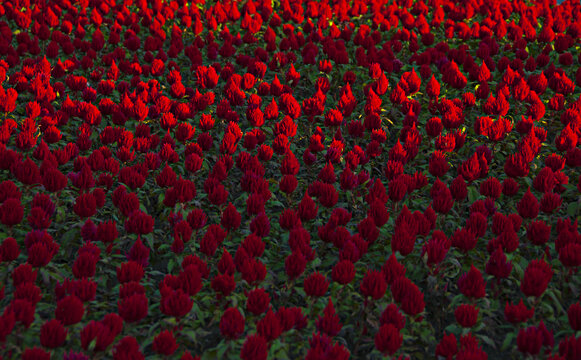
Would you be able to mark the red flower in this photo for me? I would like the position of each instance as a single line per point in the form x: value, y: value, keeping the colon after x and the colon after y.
x: 232, y: 323
x: 574, y: 316
x: 69, y: 310
x: 470, y: 169
x: 442, y: 201
x: 127, y: 348
x: 9, y: 249
x: 129, y: 271
x: 397, y: 189
x: 253, y: 245
x: 52, y: 334
x: 133, y: 307
x: 175, y: 303
x: 550, y: 202
x: 438, y: 165
x: 35, y: 353
x: 329, y: 323
x: 295, y: 264
x: 260, y: 225
x: 307, y: 209
x: 230, y: 218
x: 464, y: 240
x: 316, y: 285
x: 378, y: 212
x: 491, y: 187
x: 218, y: 194
x: 254, y: 271
x: 269, y: 326
x: 392, y: 269
x: 223, y: 284
x: 472, y: 284
x: 466, y: 315
x: 528, y: 206
x: 289, y: 219
x: 255, y: 347
x: 536, y: 278
x: 373, y: 284
x: 403, y: 238
x: 530, y: 340
x: 412, y: 299
x: 190, y: 279
x: 497, y: 265
x: 99, y: 332
x: 515, y: 314
x: 139, y: 223
x: 516, y: 165
x: 545, y: 180
x: 53, y: 180
x: 343, y: 272
x: 12, y: 212
x: 436, y: 248
x: 570, y: 255
x: 368, y: 230
x: 290, y: 106
x: 447, y: 347
x: 433, y: 87
x: 85, y: 265
x: 477, y: 224
x: 257, y: 301
x: 392, y: 315
x: 388, y: 340
x: 569, y: 347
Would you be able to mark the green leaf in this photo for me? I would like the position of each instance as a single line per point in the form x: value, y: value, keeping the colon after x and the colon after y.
x: 488, y: 340
x: 210, y: 354
x: 454, y: 329
x: 69, y: 236
x: 507, y: 341
x: 92, y: 345
x: 557, y: 302
x: 572, y: 209
x: 473, y: 194
x: 222, y: 348
x: 171, y: 265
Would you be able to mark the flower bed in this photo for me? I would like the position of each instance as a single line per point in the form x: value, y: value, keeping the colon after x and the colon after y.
x: 320, y: 180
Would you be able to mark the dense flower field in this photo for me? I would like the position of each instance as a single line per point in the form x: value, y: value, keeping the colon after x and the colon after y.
x: 288, y: 179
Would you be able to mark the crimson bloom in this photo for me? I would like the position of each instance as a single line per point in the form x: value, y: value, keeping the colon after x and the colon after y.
x: 232, y: 323
x: 316, y: 285
x: 388, y: 340
x: 373, y: 284
x: 255, y: 347
x: 536, y: 278
x: 472, y: 284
